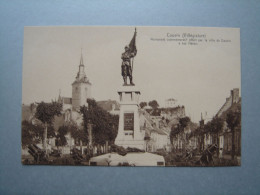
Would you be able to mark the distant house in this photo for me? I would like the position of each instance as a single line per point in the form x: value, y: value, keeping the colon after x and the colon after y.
x: 223, y: 136
x: 170, y: 103
x: 156, y: 138
x: 160, y: 122
x: 232, y: 99
x: 233, y: 102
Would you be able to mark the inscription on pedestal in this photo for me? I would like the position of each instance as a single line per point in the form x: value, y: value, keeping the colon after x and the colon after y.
x: 128, y: 121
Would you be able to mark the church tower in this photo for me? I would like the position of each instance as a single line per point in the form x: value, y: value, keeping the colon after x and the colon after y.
x: 81, y: 88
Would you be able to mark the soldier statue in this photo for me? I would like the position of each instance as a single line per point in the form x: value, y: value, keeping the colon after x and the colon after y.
x: 127, y: 65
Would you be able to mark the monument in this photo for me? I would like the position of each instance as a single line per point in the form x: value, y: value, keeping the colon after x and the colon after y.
x: 129, y: 134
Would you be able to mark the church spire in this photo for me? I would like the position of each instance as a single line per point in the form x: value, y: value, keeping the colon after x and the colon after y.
x: 81, y: 58
x: 81, y: 73
x: 59, y: 98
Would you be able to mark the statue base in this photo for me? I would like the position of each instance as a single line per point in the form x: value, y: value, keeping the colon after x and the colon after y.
x: 125, y: 84
x: 129, y: 134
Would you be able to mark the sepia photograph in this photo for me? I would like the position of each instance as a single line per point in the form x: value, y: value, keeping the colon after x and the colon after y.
x: 131, y: 96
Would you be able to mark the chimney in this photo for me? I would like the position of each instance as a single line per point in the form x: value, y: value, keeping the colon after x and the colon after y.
x: 235, y: 95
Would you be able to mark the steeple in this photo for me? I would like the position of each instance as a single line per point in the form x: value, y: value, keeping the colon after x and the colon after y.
x: 81, y: 59
x: 81, y: 76
x: 59, y: 98
x: 81, y: 87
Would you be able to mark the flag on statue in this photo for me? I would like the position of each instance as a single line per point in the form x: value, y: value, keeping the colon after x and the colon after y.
x: 132, y: 46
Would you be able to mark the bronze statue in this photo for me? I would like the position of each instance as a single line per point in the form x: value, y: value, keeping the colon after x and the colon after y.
x: 127, y: 66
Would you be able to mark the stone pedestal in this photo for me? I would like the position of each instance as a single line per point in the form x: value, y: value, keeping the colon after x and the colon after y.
x: 129, y: 134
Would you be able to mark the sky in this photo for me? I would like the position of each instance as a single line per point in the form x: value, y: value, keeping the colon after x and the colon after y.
x: 198, y: 74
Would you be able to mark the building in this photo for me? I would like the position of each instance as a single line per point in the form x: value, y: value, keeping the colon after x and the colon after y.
x: 206, y: 134
x: 233, y: 103
x: 232, y: 99
x: 156, y: 138
x: 81, y: 91
x: 170, y: 103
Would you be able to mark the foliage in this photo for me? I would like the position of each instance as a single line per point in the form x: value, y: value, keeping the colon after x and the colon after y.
x: 105, y: 125
x: 233, y: 119
x: 183, y: 123
x: 143, y: 104
x: 61, y: 139
x: 154, y: 104
x: 77, y: 133
x: 174, y: 132
x: 51, y: 131
x: 45, y: 112
x: 197, y: 131
x: 156, y: 112
x: 214, y: 126
x: 31, y: 134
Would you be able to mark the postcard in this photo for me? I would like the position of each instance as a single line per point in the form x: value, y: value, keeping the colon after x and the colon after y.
x: 131, y: 96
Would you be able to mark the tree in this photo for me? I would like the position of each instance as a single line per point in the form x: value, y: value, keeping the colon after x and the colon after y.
x: 104, y: 126
x: 179, y: 128
x: 62, y: 131
x: 143, y: 104
x: 216, y: 124
x: 174, y: 132
x: 78, y: 134
x: 213, y: 127
x: 31, y: 134
x: 75, y: 132
x: 153, y: 104
x: 184, y: 122
x: 233, y: 120
x: 45, y: 112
